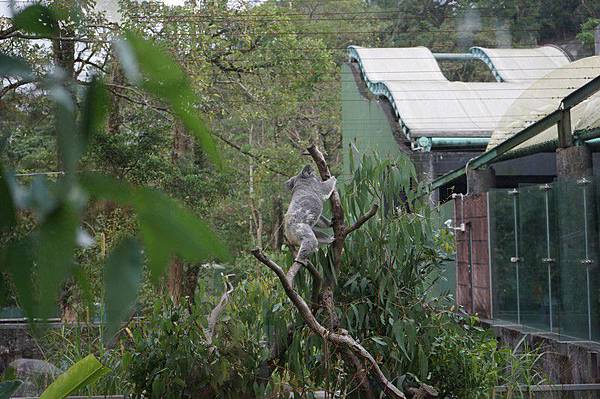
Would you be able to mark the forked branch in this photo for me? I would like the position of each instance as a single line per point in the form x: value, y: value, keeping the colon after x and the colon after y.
x: 342, y: 339
x: 216, y: 312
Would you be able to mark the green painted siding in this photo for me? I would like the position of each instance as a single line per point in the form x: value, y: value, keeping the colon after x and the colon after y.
x: 363, y: 123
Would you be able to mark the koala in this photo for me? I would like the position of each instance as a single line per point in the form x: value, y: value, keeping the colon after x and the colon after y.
x: 304, y: 212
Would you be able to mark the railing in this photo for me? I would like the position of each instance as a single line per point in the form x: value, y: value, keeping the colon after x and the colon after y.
x: 544, y: 254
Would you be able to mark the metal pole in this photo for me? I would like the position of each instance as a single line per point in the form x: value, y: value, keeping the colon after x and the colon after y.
x: 597, y: 40
x: 471, y: 269
x: 516, y: 259
x: 587, y: 261
x: 548, y: 260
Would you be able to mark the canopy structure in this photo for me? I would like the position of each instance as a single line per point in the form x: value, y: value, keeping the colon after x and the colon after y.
x: 427, y: 104
x: 521, y: 65
x: 544, y: 96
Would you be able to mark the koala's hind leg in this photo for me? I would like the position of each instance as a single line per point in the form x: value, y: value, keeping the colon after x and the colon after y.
x: 308, y: 241
x: 323, y: 222
x: 323, y: 238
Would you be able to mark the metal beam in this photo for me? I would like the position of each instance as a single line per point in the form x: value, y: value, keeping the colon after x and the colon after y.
x: 583, y: 93
x: 507, y: 145
x: 454, y: 56
x: 576, y: 97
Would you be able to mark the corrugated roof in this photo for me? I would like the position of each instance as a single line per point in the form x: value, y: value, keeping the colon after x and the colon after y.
x: 517, y: 65
x: 544, y: 96
x: 427, y: 104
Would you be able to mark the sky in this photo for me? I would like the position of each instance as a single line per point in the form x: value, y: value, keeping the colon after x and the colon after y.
x: 105, y: 4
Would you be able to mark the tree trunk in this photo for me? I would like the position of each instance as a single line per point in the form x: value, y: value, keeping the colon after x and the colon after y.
x: 114, y: 115
x: 181, y: 150
x: 277, y: 233
x: 175, y: 280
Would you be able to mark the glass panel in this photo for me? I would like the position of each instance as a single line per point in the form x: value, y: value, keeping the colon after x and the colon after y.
x: 445, y: 282
x: 536, y: 267
x: 573, y: 320
x: 503, y: 248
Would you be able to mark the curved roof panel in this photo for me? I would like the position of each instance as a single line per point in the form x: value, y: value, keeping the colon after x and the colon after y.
x: 544, y: 96
x: 425, y: 102
x: 397, y: 64
x: 518, y: 65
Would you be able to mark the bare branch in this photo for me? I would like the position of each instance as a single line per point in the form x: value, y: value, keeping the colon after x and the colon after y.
x: 291, y: 274
x: 342, y: 339
x: 4, y: 90
x: 216, y: 312
x: 362, y: 220
x: 361, y: 375
x: 336, y: 207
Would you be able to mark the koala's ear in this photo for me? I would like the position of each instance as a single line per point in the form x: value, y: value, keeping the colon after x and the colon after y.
x: 290, y: 183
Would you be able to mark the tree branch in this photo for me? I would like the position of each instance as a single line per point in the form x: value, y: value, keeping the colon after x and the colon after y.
x: 342, y: 339
x: 362, y: 220
x: 216, y: 312
x: 337, y: 220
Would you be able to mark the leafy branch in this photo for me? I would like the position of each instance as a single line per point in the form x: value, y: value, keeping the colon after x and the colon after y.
x: 332, y: 334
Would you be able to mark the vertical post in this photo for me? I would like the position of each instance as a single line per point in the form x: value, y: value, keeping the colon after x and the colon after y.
x: 471, y: 268
x: 489, y: 229
x: 597, y: 40
x: 515, y: 259
x: 587, y: 261
x: 565, y: 137
x: 548, y: 260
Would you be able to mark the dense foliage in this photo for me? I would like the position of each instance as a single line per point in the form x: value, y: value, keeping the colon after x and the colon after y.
x: 266, y: 78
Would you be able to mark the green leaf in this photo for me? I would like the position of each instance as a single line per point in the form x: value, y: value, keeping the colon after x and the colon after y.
x: 7, y: 210
x: 14, y: 66
x: 37, y: 19
x: 399, y: 337
x: 122, y: 279
x: 423, y: 363
x: 167, y: 228
x: 95, y: 109
x: 379, y: 341
x: 55, y: 254
x: 83, y: 373
x: 19, y: 264
x: 163, y: 78
x: 108, y: 188
x: 7, y: 388
x: 69, y: 143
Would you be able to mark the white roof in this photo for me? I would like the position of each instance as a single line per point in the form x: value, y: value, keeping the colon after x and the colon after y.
x: 544, y: 96
x: 399, y: 64
x: 518, y: 65
x: 425, y: 102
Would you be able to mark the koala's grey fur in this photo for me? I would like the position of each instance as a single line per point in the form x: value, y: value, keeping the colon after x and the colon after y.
x: 304, y: 212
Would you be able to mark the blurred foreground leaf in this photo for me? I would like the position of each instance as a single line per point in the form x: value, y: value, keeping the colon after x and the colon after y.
x: 7, y: 388
x: 37, y: 19
x: 83, y: 373
x: 55, y: 254
x: 7, y: 210
x: 163, y: 78
x: 13, y: 66
x: 122, y: 279
x: 167, y: 228
x: 95, y: 110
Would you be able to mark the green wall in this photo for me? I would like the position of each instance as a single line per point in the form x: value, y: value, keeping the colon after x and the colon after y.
x: 363, y: 123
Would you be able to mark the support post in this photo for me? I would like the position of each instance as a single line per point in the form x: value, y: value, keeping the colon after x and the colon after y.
x: 565, y: 136
x: 480, y: 180
x: 597, y: 40
x: 574, y: 162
